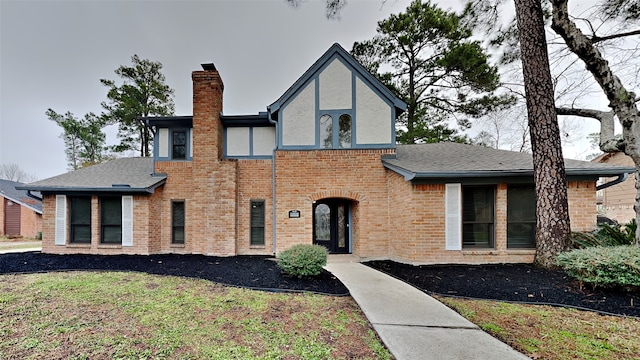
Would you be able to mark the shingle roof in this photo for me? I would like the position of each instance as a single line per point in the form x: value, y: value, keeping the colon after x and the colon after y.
x: 451, y: 160
x: 125, y: 175
x: 9, y: 191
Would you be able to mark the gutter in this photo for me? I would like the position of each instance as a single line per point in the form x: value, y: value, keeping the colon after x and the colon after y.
x: 273, y: 185
x: 621, y: 178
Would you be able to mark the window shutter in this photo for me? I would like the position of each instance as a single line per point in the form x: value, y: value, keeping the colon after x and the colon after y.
x: 127, y: 221
x: 61, y: 220
x: 453, y: 220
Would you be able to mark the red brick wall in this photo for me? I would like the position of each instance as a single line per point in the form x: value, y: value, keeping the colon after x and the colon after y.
x: 30, y: 221
x: 254, y: 183
x: 358, y: 175
x: 141, y: 230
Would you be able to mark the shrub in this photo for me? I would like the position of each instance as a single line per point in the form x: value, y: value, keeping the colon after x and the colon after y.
x: 303, y: 260
x: 607, y: 235
x: 607, y: 267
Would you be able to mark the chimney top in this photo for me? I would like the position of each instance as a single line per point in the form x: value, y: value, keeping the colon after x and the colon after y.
x: 209, y: 67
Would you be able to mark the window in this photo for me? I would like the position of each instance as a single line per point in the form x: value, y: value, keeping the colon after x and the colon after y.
x: 257, y: 222
x: 521, y: 217
x: 111, y: 220
x: 80, y: 219
x: 340, y: 139
x: 478, y: 204
x: 179, y: 145
x: 326, y: 132
x: 344, y: 134
x: 177, y: 222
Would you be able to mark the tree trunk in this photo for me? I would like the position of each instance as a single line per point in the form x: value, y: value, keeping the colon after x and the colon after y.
x: 622, y: 102
x: 553, y: 228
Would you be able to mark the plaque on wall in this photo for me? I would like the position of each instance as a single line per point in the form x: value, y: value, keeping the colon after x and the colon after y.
x: 294, y: 213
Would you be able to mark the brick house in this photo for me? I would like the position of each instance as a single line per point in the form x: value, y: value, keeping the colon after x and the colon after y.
x: 321, y: 166
x: 617, y: 201
x: 20, y: 214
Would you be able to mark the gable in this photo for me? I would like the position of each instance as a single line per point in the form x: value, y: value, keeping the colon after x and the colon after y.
x: 336, y: 104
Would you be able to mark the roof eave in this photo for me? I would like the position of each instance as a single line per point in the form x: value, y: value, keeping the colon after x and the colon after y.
x: 113, y: 189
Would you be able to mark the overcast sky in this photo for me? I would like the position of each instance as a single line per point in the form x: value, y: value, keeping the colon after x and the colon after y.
x: 53, y: 54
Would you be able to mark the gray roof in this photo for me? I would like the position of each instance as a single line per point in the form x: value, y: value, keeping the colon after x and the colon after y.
x: 452, y: 160
x: 125, y: 175
x: 9, y: 191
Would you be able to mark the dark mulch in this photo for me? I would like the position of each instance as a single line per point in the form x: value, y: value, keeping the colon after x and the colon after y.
x: 256, y: 272
x: 515, y: 282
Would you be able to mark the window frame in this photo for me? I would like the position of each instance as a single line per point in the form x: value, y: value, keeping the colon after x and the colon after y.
x: 532, y: 241
x: 259, y: 225
x: 173, y: 133
x: 73, y: 226
x: 106, y: 226
x: 174, y: 227
x: 491, y: 225
x: 336, y: 116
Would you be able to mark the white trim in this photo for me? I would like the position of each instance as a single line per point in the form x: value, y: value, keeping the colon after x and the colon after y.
x: 127, y: 220
x: 453, y: 216
x: 61, y: 220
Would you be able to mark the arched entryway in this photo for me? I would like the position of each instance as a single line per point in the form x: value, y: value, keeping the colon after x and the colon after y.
x: 332, y: 225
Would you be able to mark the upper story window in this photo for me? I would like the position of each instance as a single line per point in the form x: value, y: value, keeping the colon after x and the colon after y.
x: 179, y: 145
x: 330, y: 139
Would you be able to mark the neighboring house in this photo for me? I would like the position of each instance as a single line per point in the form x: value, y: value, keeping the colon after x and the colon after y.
x: 20, y: 214
x: 616, y: 202
x: 321, y: 166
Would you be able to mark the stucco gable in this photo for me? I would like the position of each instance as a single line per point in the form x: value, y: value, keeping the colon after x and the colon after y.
x: 336, y: 52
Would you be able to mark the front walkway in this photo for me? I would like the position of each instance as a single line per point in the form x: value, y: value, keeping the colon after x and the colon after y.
x: 412, y: 324
x: 19, y: 246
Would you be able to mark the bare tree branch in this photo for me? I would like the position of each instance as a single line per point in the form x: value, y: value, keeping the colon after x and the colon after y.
x: 596, y: 38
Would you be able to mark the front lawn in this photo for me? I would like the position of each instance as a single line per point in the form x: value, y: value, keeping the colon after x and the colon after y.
x: 545, y: 332
x: 126, y: 315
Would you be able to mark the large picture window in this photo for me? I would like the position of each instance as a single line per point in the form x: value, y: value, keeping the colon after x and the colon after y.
x: 80, y: 219
x: 257, y: 222
x: 111, y: 220
x: 478, y: 203
x: 521, y: 217
x: 177, y: 222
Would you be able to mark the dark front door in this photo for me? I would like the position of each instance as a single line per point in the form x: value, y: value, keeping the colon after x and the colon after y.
x: 331, y: 225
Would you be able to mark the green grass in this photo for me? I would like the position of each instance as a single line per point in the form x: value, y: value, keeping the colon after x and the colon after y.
x: 544, y: 332
x: 84, y: 315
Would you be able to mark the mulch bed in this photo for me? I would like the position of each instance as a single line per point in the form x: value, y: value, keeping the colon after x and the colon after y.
x: 255, y: 272
x: 511, y: 282
x: 505, y: 282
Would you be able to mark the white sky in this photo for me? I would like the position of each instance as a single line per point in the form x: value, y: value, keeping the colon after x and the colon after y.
x: 53, y: 54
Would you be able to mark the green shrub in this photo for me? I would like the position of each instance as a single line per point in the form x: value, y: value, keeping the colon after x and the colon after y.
x: 607, y: 235
x: 607, y: 267
x: 303, y: 260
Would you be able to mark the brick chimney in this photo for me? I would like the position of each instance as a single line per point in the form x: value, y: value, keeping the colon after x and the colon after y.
x: 207, y: 106
x: 213, y: 206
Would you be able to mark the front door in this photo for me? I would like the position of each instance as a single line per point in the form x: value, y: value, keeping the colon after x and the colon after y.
x: 331, y: 225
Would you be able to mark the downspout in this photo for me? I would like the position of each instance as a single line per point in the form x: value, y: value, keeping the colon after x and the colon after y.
x: 153, y: 163
x: 273, y: 183
x: 29, y: 194
x: 621, y: 178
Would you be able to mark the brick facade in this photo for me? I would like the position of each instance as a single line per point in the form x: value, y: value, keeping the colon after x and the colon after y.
x: 30, y: 221
x: 617, y: 201
x: 389, y: 216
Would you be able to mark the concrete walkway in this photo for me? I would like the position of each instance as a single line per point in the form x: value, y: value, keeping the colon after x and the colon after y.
x: 19, y: 246
x: 412, y: 324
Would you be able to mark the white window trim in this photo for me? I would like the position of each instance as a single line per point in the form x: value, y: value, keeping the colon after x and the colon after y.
x: 61, y: 220
x: 453, y: 216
